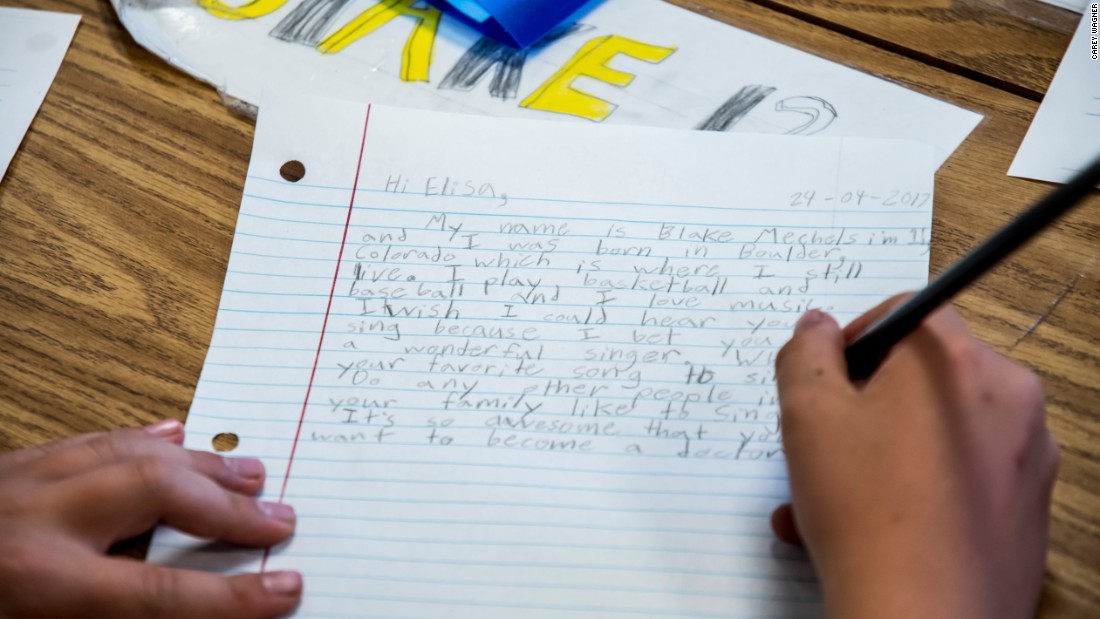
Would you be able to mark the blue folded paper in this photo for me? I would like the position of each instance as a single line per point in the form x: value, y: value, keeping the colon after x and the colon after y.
x: 519, y: 23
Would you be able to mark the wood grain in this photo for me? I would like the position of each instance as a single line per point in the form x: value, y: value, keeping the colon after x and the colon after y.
x: 1015, y: 45
x: 117, y: 216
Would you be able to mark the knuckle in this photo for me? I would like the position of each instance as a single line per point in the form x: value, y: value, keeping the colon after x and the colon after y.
x: 71, y: 444
x: 245, y: 592
x: 155, y: 592
x: 963, y: 354
x: 106, y: 448
x: 149, y: 474
x: 209, y: 462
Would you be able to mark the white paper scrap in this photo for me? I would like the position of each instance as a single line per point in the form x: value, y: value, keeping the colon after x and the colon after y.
x: 1065, y: 134
x: 1077, y: 6
x: 639, y: 62
x: 32, y: 46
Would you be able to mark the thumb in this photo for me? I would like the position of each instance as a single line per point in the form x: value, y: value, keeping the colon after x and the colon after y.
x: 810, y: 369
x: 813, y: 358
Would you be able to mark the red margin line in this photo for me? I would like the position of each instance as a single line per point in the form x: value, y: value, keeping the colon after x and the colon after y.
x: 324, y: 324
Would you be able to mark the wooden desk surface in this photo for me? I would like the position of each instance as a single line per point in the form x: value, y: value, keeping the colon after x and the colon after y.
x: 117, y: 214
x: 1015, y: 45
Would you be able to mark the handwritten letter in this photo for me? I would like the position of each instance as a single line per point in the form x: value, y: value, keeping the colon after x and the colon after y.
x: 499, y: 380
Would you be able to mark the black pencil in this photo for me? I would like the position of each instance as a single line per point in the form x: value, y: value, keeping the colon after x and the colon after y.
x: 868, y: 349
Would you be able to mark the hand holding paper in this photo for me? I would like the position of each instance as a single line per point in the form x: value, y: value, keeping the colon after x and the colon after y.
x: 63, y: 504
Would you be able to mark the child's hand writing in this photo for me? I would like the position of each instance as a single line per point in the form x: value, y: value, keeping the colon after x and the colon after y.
x: 926, y: 491
x: 63, y: 504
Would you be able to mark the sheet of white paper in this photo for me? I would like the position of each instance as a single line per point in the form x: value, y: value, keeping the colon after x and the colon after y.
x: 498, y: 379
x: 677, y: 69
x: 32, y: 46
x: 1065, y: 133
x: 1077, y: 6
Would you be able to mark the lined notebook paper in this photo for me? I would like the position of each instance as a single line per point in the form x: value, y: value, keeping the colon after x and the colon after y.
x: 498, y: 380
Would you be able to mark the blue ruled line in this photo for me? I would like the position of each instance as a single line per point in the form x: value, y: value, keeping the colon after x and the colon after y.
x: 826, y: 230
x: 434, y: 212
x: 399, y: 248
x: 329, y: 278
x: 552, y: 469
x: 511, y: 198
x: 448, y: 483
x: 528, y: 450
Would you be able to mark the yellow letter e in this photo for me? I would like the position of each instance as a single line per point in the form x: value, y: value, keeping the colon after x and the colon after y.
x: 557, y: 94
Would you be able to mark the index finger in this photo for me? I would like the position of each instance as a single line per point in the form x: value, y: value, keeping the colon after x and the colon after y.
x: 122, y: 500
x: 871, y: 316
x: 944, y: 317
x: 168, y: 430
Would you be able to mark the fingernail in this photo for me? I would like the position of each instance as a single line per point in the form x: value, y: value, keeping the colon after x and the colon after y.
x: 250, y: 468
x: 282, y: 583
x: 278, y: 511
x: 166, y: 428
x: 808, y: 319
